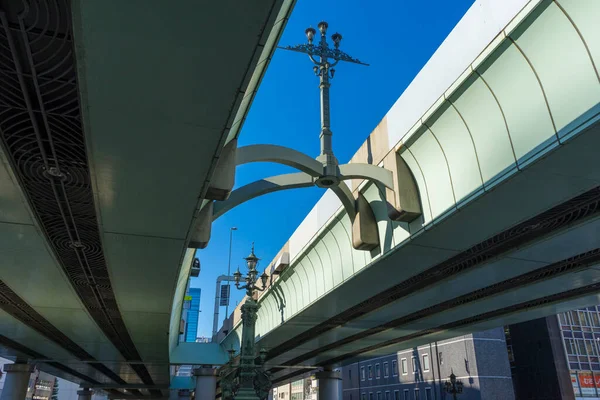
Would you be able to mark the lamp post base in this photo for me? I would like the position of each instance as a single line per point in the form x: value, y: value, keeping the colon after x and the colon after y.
x: 246, y: 394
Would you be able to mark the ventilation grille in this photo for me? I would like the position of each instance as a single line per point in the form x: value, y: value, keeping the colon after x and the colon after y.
x: 568, y: 265
x: 41, y: 132
x: 559, y: 217
x: 555, y: 298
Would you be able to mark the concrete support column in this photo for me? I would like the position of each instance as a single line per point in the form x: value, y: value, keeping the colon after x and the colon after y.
x: 17, y: 379
x: 206, y: 383
x: 185, y: 394
x: 84, y: 394
x: 330, y: 385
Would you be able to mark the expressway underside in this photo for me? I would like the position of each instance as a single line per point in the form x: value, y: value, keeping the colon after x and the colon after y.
x: 111, y: 122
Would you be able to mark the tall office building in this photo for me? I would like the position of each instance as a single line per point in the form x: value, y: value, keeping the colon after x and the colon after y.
x: 558, y: 357
x: 479, y: 360
x: 580, y: 331
x: 3, y: 361
x: 538, y: 365
x: 193, y: 301
x: 41, y: 386
x: 302, y: 389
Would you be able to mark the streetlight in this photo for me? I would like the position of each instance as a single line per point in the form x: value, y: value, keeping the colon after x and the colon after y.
x: 233, y: 228
x: 249, y: 381
x: 453, y: 386
x: 324, y: 59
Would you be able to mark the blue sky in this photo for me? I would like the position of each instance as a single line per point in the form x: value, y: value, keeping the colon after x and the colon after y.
x: 396, y: 37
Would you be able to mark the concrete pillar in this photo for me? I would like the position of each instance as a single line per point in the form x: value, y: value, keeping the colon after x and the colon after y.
x: 330, y: 385
x: 84, y: 394
x: 185, y: 394
x: 206, y: 383
x: 17, y: 380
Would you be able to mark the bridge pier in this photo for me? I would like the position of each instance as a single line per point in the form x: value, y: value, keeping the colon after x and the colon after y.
x: 17, y: 379
x: 84, y: 394
x: 206, y: 383
x: 330, y: 384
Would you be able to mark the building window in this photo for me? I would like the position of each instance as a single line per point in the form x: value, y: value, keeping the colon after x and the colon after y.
x: 370, y: 372
x: 413, y: 360
x: 595, y: 320
x: 591, y: 348
x: 363, y: 396
x: 387, y: 396
x: 563, y: 319
x: 395, y: 367
x: 362, y: 374
x: 511, y: 356
x: 379, y: 396
x: 406, y: 394
x: 417, y: 395
x: 570, y: 346
x: 386, y: 370
x: 440, y: 358
x: 428, y: 394
x: 396, y: 395
x: 581, y: 347
x: 426, y: 362
x: 350, y: 396
x: 371, y: 396
x: 404, y: 366
x: 350, y: 374
x: 377, y: 371
x: 583, y: 317
x: 575, y: 319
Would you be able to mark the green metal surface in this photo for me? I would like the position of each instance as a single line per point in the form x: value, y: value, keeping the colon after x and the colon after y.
x: 155, y: 113
x: 509, y: 109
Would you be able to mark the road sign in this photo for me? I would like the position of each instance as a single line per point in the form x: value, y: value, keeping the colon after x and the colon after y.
x: 224, y: 295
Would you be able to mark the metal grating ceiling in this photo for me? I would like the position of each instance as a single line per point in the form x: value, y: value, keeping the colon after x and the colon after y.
x: 554, y: 298
x: 18, y: 308
x: 575, y: 210
x: 9, y: 343
x: 41, y: 132
x: 569, y: 265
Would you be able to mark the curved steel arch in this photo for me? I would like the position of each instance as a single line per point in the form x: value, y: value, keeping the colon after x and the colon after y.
x: 369, y: 172
x: 277, y: 183
x: 260, y: 187
x: 280, y: 155
x: 365, y: 235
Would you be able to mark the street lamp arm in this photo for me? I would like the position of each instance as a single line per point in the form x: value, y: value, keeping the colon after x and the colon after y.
x: 280, y: 155
x: 347, y: 198
x: 260, y: 289
x: 261, y: 187
x: 367, y: 171
x: 324, y: 52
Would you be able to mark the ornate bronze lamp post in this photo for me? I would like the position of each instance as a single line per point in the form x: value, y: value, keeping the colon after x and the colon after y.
x: 249, y: 381
x: 453, y: 386
x: 325, y: 59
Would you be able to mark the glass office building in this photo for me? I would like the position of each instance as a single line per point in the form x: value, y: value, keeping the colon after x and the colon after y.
x: 193, y: 299
x: 580, y: 331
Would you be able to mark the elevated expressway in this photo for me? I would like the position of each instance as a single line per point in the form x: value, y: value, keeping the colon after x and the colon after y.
x: 495, y: 213
x: 113, y: 115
